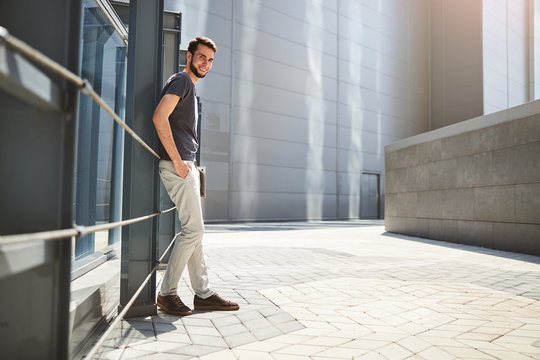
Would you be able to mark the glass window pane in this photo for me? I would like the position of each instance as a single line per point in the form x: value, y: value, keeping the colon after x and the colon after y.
x: 99, y: 142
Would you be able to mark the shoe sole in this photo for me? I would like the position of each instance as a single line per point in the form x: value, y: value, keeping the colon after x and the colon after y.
x: 218, y: 308
x: 172, y: 312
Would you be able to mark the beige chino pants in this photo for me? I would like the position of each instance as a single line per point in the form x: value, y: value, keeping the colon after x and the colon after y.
x: 188, y: 249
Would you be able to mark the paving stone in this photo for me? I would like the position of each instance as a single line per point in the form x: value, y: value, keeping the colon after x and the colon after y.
x: 290, y: 357
x: 196, y: 321
x: 505, y: 354
x: 232, y: 329
x: 208, y: 340
x: 342, y: 352
x: 156, y: 346
x: 352, y: 290
x: 161, y: 327
x: 138, y: 325
x: 249, y: 315
x: 414, y: 344
x: 165, y: 356
x: 270, y: 311
x: 257, y: 323
x: 295, y: 325
x: 225, y: 321
x: 239, y: 339
x: 124, y: 353
x: 194, y: 350
x: 251, y: 355
x: 220, y: 355
x: 266, y: 333
x: 327, y: 341
x: 176, y: 337
x: 262, y: 346
x: 394, y: 351
x: 281, y: 317
x: 202, y: 330
x: 466, y: 353
x: 435, y: 353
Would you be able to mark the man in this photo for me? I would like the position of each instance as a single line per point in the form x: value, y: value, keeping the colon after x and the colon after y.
x: 175, y: 119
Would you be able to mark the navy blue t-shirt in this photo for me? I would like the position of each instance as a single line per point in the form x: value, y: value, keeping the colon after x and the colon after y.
x: 183, y: 119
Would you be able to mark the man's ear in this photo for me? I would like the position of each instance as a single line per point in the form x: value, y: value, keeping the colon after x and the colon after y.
x: 188, y: 57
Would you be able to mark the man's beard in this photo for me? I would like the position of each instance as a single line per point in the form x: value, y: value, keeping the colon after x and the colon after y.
x: 195, y: 71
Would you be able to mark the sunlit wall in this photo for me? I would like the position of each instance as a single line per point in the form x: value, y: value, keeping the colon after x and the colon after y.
x: 456, y: 78
x: 302, y: 99
x: 505, y: 33
x: 483, y: 57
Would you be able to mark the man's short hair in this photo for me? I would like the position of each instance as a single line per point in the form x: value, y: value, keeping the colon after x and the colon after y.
x: 194, y: 44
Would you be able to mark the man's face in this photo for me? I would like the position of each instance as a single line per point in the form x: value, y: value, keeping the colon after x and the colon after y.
x: 201, y: 61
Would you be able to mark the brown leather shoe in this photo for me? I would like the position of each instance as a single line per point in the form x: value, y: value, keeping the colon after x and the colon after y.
x: 173, y: 305
x: 214, y: 302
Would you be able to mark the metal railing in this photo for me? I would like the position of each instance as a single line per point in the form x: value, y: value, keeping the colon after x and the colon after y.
x: 77, y: 230
x: 84, y: 86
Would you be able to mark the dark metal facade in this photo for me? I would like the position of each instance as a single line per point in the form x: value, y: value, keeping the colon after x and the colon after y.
x: 141, y: 182
x: 37, y: 134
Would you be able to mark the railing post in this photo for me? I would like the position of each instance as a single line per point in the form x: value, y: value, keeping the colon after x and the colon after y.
x: 141, y: 182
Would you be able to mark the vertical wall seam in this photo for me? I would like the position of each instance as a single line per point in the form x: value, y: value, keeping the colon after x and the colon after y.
x: 507, y: 61
x: 337, y: 111
x: 482, y: 67
x: 530, y: 50
x: 429, y: 52
x: 231, y: 111
x: 442, y: 122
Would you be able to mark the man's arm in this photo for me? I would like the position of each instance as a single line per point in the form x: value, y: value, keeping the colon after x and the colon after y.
x: 163, y: 128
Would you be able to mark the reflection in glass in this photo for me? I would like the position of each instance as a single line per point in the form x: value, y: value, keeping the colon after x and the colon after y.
x: 99, y: 141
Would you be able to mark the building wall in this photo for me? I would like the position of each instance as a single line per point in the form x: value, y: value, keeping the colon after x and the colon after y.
x: 455, y: 61
x: 302, y: 99
x: 505, y: 46
x: 476, y: 182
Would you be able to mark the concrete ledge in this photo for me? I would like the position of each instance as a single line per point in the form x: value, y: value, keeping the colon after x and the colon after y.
x: 518, y: 112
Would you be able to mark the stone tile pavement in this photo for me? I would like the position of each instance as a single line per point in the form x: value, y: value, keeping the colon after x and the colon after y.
x: 347, y: 290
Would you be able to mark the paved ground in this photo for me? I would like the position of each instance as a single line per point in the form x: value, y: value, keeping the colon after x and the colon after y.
x: 347, y: 290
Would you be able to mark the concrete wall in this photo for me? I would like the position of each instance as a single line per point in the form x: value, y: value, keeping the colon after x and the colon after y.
x: 302, y: 99
x: 476, y: 182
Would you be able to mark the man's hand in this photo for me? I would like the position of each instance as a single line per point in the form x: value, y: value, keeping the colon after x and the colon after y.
x: 182, y: 168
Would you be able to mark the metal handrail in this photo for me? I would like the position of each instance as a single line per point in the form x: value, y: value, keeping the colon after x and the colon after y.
x: 79, y: 230
x: 75, y: 231
x: 83, y: 84
x: 120, y: 316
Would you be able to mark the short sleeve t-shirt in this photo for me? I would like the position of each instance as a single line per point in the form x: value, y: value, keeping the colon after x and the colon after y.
x: 183, y: 119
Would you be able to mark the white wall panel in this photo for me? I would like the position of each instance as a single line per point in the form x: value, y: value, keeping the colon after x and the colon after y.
x: 360, y: 55
x: 284, y: 26
x: 282, y: 206
x: 287, y: 76
x: 505, y: 54
x: 281, y: 153
x: 280, y: 127
x: 455, y: 61
x: 355, y: 162
x: 283, y: 179
x: 372, y: 142
x: 256, y: 43
x: 270, y: 99
x: 297, y: 9
x: 197, y: 20
x: 217, y: 89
